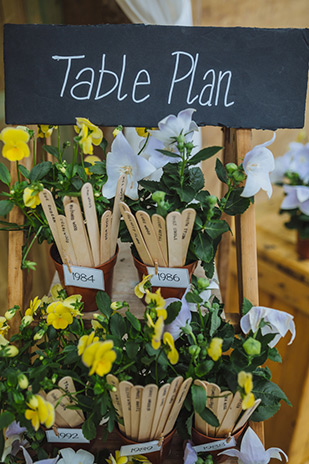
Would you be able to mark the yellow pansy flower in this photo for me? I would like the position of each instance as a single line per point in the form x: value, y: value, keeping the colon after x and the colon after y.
x: 246, y: 384
x: 33, y: 306
x: 85, y: 341
x: 3, y: 341
x: 143, y: 131
x: 157, y: 302
x: 158, y: 330
x: 70, y: 302
x: 30, y: 200
x: 117, y: 459
x: 100, y: 357
x: 173, y: 354
x: 89, y: 133
x: 55, y: 291
x: 215, y: 348
x: 140, y: 290
x: 45, y: 130
x: 139, y: 458
x: 15, y: 143
x: 59, y: 316
x: 92, y: 159
x: 3, y: 325
x: 40, y: 412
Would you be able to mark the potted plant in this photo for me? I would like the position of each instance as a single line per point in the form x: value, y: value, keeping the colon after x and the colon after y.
x: 292, y: 173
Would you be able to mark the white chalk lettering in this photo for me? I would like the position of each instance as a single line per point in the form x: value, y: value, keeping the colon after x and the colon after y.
x: 210, y: 85
x: 221, y: 76
x: 176, y: 79
x: 102, y: 72
x: 120, y: 98
x: 69, y: 58
x: 136, y: 83
x: 88, y: 83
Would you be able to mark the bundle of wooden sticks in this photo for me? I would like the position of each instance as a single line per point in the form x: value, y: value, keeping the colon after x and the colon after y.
x: 226, y: 407
x: 157, y: 240
x: 148, y: 412
x: 75, y: 245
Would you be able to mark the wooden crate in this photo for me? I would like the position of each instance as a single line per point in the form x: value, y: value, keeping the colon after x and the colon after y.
x: 284, y: 285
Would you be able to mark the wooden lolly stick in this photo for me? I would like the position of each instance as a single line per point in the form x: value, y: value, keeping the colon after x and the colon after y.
x: 171, y: 395
x: 213, y: 392
x: 231, y: 416
x: 149, y: 401
x: 65, y: 240
x: 105, y: 240
x: 181, y: 396
x: 125, y: 398
x: 67, y: 384
x: 91, y: 221
x: 188, y: 218
x: 50, y: 211
x: 224, y: 401
x: 68, y: 199
x: 70, y: 416
x: 136, y: 401
x: 150, y: 238
x: 78, y: 235
x: 174, y: 234
x: 115, y: 396
x: 246, y: 415
x: 137, y: 238
x: 161, y: 398
x: 200, y: 424
x: 121, y: 187
x: 159, y: 226
x: 124, y: 207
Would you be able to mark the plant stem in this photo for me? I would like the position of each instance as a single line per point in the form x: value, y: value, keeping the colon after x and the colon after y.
x: 32, y: 242
x: 18, y: 173
x: 200, y: 314
x: 33, y: 150
x: 59, y: 151
x: 147, y: 138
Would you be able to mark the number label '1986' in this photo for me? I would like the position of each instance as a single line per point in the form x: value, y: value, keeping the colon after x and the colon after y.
x: 86, y: 277
x: 169, y: 277
x: 66, y: 436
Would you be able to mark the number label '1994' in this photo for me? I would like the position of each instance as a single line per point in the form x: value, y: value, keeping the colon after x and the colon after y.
x: 66, y: 436
x: 86, y: 277
x: 169, y: 277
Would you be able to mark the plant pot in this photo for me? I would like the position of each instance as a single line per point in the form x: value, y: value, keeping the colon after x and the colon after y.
x: 302, y: 246
x: 88, y: 294
x: 166, y: 292
x: 156, y: 457
x: 199, y: 438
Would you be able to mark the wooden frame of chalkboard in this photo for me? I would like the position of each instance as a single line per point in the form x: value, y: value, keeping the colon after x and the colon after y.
x: 135, y: 75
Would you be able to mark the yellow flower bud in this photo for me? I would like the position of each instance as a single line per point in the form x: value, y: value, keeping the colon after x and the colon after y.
x: 23, y: 382
x: 11, y: 351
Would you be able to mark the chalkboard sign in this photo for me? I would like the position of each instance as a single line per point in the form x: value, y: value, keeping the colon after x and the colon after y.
x: 135, y: 75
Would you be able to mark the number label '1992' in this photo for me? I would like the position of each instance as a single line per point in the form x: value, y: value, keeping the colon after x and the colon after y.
x: 66, y: 436
x: 169, y: 277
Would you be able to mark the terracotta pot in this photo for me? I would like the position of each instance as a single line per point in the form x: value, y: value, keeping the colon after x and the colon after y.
x: 302, y: 247
x: 158, y: 456
x: 199, y: 438
x: 166, y: 292
x: 88, y: 294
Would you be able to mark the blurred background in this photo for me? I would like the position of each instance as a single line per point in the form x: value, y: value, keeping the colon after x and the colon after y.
x: 283, y: 278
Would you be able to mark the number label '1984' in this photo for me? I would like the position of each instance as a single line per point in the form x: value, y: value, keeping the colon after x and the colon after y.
x: 169, y: 277
x: 86, y: 277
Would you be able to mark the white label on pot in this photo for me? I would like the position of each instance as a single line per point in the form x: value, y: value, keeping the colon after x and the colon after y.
x: 140, y: 448
x: 216, y: 445
x: 66, y: 436
x: 86, y: 277
x: 169, y: 277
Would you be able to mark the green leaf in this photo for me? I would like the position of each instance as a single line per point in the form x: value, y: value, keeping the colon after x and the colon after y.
x: 118, y: 325
x: 169, y: 153
x: 151, y: 185
x: 208, y: 416
x: 5, y: 207
x: 186, y: 193
x: 199, y: 398
x: 221, y: 172
x: 51, y: 150
x: 203, y: 368
x: 203, y: 155
x: 193, y: 298
x: 197, y: 179
x: 264, y: 412
x: 98, y: 168
x: 132, y: 349
x: 203, y: 247
x: 274, y: 355
x: 81, y: 172
x: 6, y: 418
x: 24, y: 171
x: 236, y: 204
x: 5, y: 175
x: 246, y: 306
x: 216, y: 228
x: 173, y: 310
x: 133, y: 321
x: 40, y: 170
x: 215, y: 322
x: 104, y: 303
x: 89, y: 429
x: 209, y: 268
